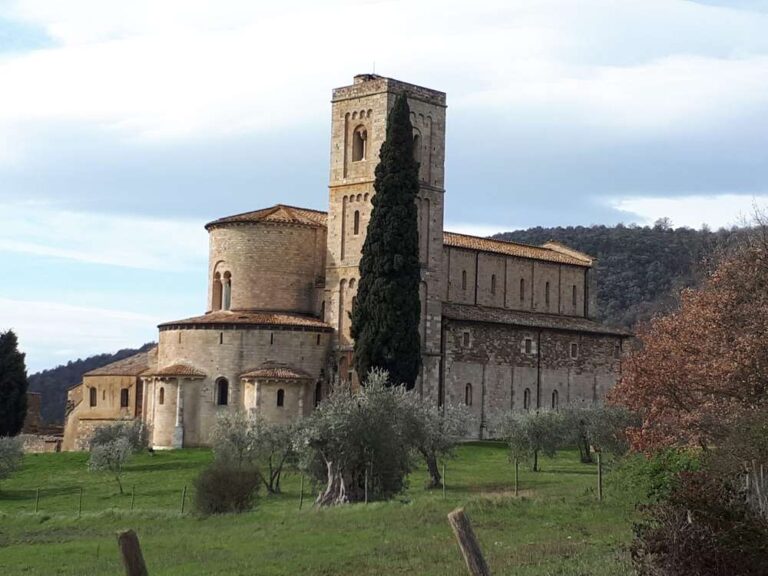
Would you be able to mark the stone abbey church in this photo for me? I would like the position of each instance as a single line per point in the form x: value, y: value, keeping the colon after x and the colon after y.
x: 503, y: 325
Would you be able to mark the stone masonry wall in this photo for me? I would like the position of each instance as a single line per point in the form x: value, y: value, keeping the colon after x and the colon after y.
x: 498, y: 366
x: 485, y: 279
x: 273, y: 266
x: 225, y: 353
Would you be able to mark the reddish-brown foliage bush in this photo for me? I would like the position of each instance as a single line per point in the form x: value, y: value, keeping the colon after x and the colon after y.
x: 704, y: 528
x: 700, y: 367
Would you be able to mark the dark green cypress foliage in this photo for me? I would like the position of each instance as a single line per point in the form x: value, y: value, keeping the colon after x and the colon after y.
x: 385, y: 319
x: 13, y: 385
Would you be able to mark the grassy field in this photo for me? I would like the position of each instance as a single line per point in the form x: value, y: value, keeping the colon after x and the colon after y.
x: 555, y: 527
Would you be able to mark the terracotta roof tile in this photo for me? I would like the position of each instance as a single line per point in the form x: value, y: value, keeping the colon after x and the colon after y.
x: 131, y: 366
x: 251, y: 318
x: 528, y: 319
x: 276, y: 371
x: 278, y: 214
x: 178, y: 370
x: 513, y: 249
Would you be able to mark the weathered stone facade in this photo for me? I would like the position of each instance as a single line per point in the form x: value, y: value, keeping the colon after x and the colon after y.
x: 503, y: 325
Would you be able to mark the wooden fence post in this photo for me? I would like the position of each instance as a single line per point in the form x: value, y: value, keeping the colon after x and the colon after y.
x: 37, y: 500
x: 366, y: 484
x: 599, y: 477
x: 517, y: 476
x: 130, y: 552
x: 443, y: 480
x: 80, y: 503
x: 133, y: 495
x: 470, y: 547
x: 183, y: 498
x: 301, y: 492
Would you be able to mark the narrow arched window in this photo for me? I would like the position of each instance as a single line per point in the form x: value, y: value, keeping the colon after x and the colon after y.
x: 546, y: 294
x: 417, y: 147
x: 322, y: 310
x: 216, y: 292
x: 318, y: 393
x: 555, y: 399
x: 359, y: 144
x: 463, y: 279
x: 161, y: 396
x: 493, y: 283
x: 281, y: 397
x: 93, y: 397
x: 356, y: 224
x: 522, y: 289
x: 227, y: 290
x: 468, y: 395
x: 124, y: 398
x: 574, y: 350
x: 573, y: 295
x: 222, y: 392
x: 527, y: 399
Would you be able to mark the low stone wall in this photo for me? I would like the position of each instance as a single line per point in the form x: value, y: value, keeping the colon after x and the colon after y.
x: 34, y: 443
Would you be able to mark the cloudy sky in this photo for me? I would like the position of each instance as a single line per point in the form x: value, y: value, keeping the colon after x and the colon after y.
x: 125, y: 126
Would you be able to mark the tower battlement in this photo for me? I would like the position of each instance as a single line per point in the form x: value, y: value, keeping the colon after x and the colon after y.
x: 370, y: 84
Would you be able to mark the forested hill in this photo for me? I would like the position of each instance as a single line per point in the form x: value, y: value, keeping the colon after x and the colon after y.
x: 640, y: 269
x: 53, y: 383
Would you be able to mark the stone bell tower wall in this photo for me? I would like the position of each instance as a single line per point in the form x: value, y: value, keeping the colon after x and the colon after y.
x: 358, y: 129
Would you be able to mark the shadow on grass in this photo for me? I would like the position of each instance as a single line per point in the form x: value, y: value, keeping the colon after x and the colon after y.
x: 170, y: 465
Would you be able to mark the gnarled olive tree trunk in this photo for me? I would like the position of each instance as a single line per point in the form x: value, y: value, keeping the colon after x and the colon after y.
x: 435, y: 479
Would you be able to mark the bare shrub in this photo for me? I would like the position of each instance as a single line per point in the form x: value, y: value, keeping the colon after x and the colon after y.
x: 224, y: 489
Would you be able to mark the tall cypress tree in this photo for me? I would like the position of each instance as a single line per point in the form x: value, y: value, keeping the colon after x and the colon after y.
x: 385, y: 318
x: 13, y: 385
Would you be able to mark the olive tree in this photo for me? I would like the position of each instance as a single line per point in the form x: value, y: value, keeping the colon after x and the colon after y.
x: 529, y: 434
x: 247, y: 440
x: 436, y: 431
x: 599, y: 427
x: 11, y: 454
x: 359, y: 439
x: 113, y: 445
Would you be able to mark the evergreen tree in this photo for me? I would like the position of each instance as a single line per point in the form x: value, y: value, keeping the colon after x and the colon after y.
x: 385, y: 318
x: 13, y: 385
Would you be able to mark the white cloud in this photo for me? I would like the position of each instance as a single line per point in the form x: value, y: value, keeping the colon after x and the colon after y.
x: 478, y: 229
x: 720, y: 211
x: 128, y: 241
x: 190, y: 68
x: 51, y: 333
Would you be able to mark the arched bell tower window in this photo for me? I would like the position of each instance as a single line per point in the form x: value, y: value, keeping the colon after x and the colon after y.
x: 161, y: 396
x: 359, y: 144
x: 318, y: 393
x: 216, y: 292
x: 281, y: 397
x: 527, y: 399
x: 555, y: 400
x: 468, y: 395
x: 356, y: 224
x: 417, y: 147
x: 92, y: 396
x: 227, y: 291
x: 222, y: 392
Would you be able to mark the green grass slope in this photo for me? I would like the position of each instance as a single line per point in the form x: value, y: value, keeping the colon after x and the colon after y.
x: 555, y: 527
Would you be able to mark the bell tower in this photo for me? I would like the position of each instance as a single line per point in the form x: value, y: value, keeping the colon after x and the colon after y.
x: 358, y: 128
